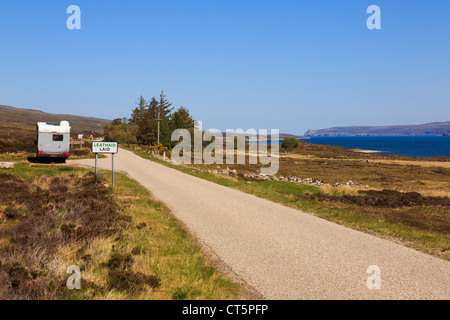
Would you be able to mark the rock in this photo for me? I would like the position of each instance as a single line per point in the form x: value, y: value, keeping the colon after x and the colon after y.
x: 7, y: 165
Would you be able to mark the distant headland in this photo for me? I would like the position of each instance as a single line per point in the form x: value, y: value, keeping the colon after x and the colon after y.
x: 434, y: 128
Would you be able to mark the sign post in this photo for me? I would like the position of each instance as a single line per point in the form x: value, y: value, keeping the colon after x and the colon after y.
x: 81, y: 142
x: 113, y: 180
x: 105, y: 148
x: 96, y: 159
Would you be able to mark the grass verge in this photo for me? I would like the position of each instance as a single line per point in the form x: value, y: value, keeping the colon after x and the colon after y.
x: 126, y: 244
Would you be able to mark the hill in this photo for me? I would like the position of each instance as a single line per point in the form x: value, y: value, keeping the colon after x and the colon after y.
x: 30, y: 117
x: 434, y: 128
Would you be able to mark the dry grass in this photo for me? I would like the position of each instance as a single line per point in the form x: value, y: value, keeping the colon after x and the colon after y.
x: 426, y: 179
x: 17, y: 138
x: 433, y: 164
x: 435, y: 193
x: 343, y: 190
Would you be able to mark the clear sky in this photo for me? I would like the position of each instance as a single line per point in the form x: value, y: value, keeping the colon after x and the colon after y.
x: 287, y: 64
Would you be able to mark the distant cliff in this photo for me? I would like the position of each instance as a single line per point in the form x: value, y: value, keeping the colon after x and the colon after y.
x: 434, y: 128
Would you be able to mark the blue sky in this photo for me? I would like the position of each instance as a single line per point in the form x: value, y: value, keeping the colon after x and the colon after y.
x: 287, y: 64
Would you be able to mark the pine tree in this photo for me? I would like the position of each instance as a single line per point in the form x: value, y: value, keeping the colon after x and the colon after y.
x: 148, y: 124
x: 182, y: 119
x: 152, y: 109
x: 164, y: 107
x: 153, y: 121
x: 164, y: 112
x: 139, y: 111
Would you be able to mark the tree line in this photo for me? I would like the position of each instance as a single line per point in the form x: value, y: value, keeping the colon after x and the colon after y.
x: 147, y: 119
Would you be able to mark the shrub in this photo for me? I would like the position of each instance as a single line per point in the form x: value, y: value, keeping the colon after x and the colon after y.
x: 289, y: 143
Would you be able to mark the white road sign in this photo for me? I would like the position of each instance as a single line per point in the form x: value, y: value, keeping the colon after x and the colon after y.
x: 104, y: 147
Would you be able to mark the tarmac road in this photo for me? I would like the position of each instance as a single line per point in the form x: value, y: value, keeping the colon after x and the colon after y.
x: 284, y: 253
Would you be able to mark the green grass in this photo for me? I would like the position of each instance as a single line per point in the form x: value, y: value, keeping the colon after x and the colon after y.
x: 23, y: 157
x: 28, y: 171
x: 89, y: 156
x: 376, y: 221
x: 156, y: 240
x: 291, y: 188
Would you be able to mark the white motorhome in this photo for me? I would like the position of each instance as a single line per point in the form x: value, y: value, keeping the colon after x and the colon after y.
x: 53, y: 140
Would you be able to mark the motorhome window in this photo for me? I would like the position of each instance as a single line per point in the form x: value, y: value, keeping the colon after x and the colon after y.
x: 58, y: 137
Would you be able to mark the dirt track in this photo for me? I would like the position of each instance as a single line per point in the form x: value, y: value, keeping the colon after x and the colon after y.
x: 282, y: 252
